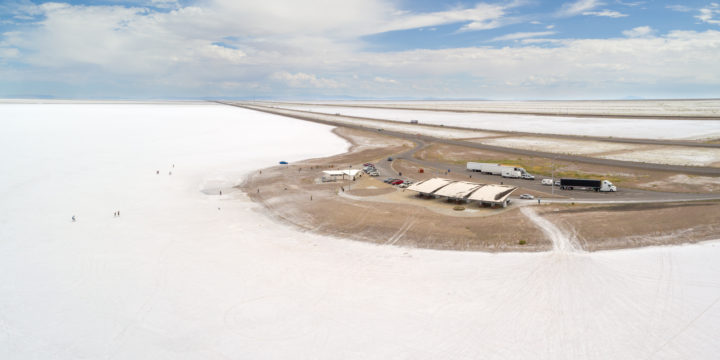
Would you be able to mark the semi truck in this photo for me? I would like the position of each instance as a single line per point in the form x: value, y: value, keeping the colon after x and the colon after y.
x: 511, y: 173
x: 597, y: 185
x: 498, y: 169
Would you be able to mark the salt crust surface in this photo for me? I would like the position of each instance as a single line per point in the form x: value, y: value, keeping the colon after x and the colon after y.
x: 174, y: 277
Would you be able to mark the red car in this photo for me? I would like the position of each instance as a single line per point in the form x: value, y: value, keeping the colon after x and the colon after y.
x: 397, y: 182
x: 369, y: 164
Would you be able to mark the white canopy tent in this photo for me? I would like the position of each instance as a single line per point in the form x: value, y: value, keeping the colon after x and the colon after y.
x: 341, y: 173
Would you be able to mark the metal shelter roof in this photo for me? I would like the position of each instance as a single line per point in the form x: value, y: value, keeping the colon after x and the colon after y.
x: 458, y: 189
x: 429, y: 186
x: 493, y: 193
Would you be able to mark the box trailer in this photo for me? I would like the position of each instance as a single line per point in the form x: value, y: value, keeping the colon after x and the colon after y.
x: 487, y: 168
x: 587, y: 184
x: 495, y: 169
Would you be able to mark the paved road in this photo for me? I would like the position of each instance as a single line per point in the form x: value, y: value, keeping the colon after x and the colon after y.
x: 664, y: 142
x: 623, y: 195
x: 535, y: 113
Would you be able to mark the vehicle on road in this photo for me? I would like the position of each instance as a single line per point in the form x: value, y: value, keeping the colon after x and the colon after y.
x: 527, y: 196
x: 528, y: 177
x: 547, y: 182
x: 587, y: 184
x: 511, y: 173
x: 495, y: 169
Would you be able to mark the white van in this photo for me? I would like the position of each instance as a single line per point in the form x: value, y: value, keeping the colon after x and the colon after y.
x: 548, y: 182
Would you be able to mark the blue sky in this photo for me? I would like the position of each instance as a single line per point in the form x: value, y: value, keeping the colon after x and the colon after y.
x: 522, y: 49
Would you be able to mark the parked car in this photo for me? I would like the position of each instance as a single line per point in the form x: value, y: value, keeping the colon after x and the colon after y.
x: 374, y: 174
x: 390, y: 159
x: 404, y: 185
x: 369, y: 164
x: 397, y: 182
x: 527, y: 196
x: 388, y: 180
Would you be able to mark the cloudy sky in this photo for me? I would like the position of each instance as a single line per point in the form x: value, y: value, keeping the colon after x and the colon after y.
x: 304, y: 49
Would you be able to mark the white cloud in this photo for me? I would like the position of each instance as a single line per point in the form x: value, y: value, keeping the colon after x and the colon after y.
x: 679, y: 8
x: 232, y: 56
x: 303, y: 80
x: 578, y: 7
x: 281, y: 51
x: 639, y: 31
x: 383, y: 80
x: 710, y: 14
x: 605, y: 13
x: 481, y: 17
x: 541, y: 41
x: 581, y: 66
x: 167, y: 4
x: 7, y: 53
x: 551, y: 26
x: 631, y: 4
x: 523, y: 35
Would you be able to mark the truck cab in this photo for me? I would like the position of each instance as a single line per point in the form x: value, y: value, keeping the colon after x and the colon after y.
x: 511, y: 173
x: 607, y: 186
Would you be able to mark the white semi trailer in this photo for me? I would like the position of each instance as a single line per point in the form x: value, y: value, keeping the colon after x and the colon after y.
x: 498, y: 169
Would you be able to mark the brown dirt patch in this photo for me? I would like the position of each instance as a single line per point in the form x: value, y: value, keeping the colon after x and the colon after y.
x: 368, y: 210
x: 601, y: 227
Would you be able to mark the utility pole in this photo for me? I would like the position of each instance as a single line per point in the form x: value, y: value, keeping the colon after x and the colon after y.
x: 553, y: 175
